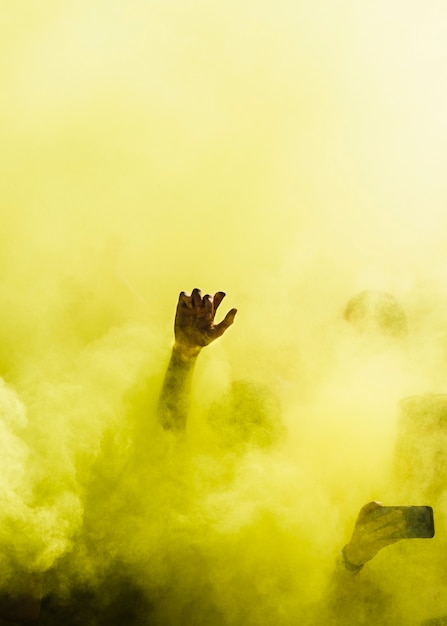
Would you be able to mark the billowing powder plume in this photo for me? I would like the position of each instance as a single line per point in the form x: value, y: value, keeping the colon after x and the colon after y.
x: 293, y: 155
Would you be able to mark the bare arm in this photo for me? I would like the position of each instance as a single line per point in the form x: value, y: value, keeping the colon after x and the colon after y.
x: 194, y: 328
x: 353, y: 599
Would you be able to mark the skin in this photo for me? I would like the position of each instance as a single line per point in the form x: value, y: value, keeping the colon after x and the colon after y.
x: 194, y: 329
x: 371, y: 533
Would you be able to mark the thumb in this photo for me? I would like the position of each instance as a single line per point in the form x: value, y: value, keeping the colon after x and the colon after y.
x: 219, y: 329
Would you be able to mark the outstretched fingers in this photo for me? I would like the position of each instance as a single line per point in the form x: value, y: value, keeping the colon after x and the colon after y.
x: 200, y: 311
x: 218, y: 297
x: 366, y: 510
x: 219, y: 329
x: 196, y: 297
x: 184, y: 300
x: 207, y: 305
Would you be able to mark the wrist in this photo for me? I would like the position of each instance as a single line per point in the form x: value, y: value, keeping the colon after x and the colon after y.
x: 186, y: 353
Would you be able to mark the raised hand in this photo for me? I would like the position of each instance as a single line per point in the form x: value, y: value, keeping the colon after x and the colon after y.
x: 372, y: 532
x: 194, y: 321
x: 194, y: 329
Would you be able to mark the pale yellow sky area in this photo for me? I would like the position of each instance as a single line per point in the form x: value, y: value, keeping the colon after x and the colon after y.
x: 225, y: 131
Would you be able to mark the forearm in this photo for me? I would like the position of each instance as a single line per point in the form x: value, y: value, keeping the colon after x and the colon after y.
x: 175, y: 393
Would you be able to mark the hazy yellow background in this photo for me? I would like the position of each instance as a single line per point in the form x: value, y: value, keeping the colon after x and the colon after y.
x: 290, y: 153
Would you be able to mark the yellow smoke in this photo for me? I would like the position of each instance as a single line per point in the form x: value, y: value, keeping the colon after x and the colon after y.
x: 291, y: 154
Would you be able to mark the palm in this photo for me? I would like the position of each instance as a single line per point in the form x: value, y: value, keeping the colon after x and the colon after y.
x: 194, y: 321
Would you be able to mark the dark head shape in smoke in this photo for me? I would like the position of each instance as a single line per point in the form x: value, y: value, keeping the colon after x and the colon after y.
x: 247, y: 416
x: 377, y: 312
